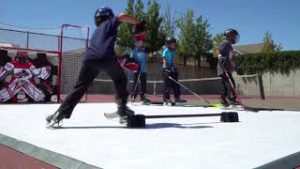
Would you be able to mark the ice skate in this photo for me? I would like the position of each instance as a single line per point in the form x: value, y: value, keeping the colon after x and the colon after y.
x: 54, y: 120
x: 123, y: 113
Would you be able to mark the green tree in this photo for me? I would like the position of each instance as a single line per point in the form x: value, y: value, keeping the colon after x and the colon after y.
x: 202, y: 42
x: 155, y: 36
x: 186, y: 28
x: 169, y: 22
x: 194, y: 37
x: 217, y: 41
x: 139, y: 10
x: 269, y: 44
x: 124, y: 38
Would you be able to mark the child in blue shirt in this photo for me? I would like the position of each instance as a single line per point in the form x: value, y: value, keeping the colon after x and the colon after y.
x: 170, y: 71
x: 139, y: 55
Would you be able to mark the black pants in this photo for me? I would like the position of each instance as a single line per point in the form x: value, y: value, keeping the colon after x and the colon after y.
x: 170, y: 84
x: 143, y: 82
x: 89, y: 71
x: 226, y: 89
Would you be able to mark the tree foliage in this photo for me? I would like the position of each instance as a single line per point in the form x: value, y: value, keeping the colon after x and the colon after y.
x: 269, y: 44
x: 194, y: 37
x: 169, y: 22
x: 282, y: 62
x: 203, y: 39
x: 155, y: 37
x: 124, y: 39
x: 217, y: 41
x: 185, y: 24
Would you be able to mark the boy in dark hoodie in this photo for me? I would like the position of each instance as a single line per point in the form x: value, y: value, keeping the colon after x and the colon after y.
x: 99, y: 56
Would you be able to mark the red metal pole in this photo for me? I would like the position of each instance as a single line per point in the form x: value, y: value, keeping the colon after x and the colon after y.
x: 27, y: 45
x: 60, y: 64
x: 86, y: 46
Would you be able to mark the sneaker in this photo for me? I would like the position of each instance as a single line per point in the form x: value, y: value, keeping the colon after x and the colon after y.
x: 132, y: 99
x: 178, y: 100
x: 145, y: 100
x: 167, y: 103
x: 54, y: 120
x: 224, y: 102
x: 233, y: 101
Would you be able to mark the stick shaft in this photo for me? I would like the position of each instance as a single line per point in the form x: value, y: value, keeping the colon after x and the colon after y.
x: 180, y: 116
x: 189, y: 90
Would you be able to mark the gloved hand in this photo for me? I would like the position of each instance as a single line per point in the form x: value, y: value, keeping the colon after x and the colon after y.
x: 166, y: 70
x: 222, y: 61
x: 239, y: 69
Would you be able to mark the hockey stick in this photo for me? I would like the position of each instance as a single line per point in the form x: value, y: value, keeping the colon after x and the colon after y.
x: 234, y: 91
x: 195, y: 94
x: 136, y: 85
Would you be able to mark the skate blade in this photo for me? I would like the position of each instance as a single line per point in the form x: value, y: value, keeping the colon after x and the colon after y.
x: 123, y: 121
x: 179, y: 104
x: 116, y: 117
x: 136, y: 103
x: 144, y: 103
x: 237, y: 107
x: 111, y: 115
x: 54, y: 125
x: 50, y: 124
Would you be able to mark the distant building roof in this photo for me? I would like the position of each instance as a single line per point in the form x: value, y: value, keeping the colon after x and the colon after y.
x: 75, y: 51
x: 4, y: 44
x: 251, y: 48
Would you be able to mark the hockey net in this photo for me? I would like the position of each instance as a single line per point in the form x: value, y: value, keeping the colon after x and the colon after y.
x: 74, y: 43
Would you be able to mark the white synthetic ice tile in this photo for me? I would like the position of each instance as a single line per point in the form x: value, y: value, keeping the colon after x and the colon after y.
x: 191, y: 143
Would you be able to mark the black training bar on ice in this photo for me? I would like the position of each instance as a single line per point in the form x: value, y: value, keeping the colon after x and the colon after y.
x: 180, y: 116
x: 139, y: 120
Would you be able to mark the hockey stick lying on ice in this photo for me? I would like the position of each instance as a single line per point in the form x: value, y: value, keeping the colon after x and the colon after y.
x: 195, y: 94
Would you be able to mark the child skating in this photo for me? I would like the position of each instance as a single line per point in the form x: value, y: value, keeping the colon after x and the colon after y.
x: 99, y: 56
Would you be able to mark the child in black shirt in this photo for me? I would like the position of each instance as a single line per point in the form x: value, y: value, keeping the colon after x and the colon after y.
x: 99, y: 56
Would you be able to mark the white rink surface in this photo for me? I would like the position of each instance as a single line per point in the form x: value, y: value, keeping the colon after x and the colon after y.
x: 190, y: 143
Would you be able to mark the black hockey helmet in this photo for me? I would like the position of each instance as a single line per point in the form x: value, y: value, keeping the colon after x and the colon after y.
x: 171, y: 40
x: 102, y: 14
x: 232, y: 32
x: 104, y: 11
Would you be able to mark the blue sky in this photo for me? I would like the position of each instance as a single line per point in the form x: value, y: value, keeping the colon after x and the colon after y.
x: 251, y: 17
